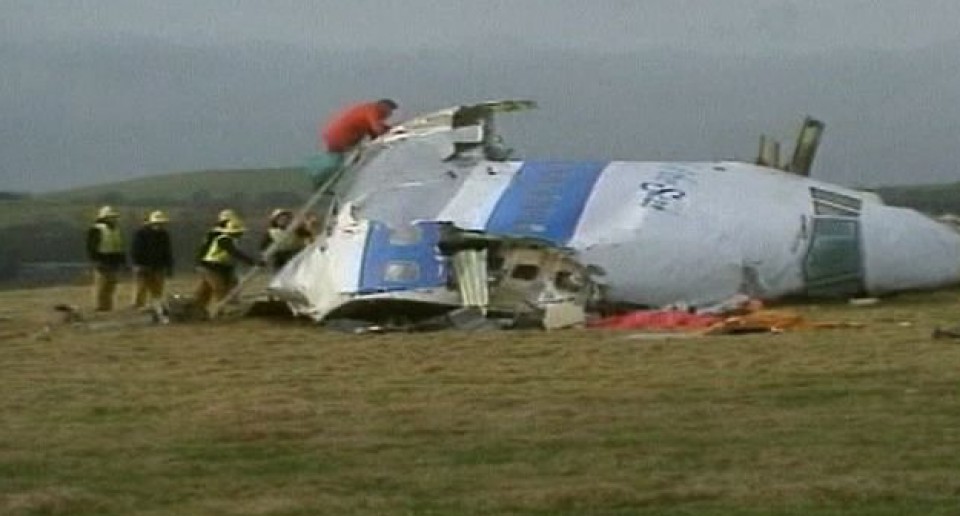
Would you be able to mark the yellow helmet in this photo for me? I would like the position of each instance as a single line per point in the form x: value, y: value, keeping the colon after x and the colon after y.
x: 107, y: 212
x: 157, y: 217
x: 226, y: 215
x: 233, y: 227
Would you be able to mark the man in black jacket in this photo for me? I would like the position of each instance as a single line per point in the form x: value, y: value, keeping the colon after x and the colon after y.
x: 152, y: 259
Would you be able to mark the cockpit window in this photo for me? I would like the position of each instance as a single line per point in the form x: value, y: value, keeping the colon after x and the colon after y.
x: 833, y: 204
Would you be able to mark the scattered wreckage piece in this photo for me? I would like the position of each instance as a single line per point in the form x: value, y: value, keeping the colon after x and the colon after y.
x: 174, y: 308
x: 805, y: 149
x: 66, y: 316
x: 946, y: 333
x: 432, y: 274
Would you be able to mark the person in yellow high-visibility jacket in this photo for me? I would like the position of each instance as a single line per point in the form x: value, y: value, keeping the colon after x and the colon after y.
x: 225, y: 216
x: 107, y: 252
x: 218, y: 261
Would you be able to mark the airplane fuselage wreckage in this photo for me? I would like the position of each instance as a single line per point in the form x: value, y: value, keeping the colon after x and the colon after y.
x: 436, y: 214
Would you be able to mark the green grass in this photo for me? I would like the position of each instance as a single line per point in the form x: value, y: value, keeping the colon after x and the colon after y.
x: 269, y: 417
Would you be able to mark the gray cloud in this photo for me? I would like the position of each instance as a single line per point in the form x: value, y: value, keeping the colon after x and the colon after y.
x: 105, y: 90
x: 701, y: 25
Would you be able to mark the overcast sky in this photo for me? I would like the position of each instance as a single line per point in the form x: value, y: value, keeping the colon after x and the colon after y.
x: 95, y: 91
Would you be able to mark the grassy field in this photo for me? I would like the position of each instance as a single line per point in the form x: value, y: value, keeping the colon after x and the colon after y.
x: 269, y: 417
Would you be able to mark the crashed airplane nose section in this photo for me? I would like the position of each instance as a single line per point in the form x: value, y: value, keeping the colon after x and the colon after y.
x: 662, y: 233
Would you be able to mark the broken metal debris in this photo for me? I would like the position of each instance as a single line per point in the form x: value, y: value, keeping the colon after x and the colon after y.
x: 946, y: 333
x: 423, y: 275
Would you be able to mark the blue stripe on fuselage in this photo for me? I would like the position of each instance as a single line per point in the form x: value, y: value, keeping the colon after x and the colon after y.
x: 545, y: 200
x: 379, y: 253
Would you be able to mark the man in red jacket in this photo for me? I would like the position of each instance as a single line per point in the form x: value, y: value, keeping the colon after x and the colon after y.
x: 347, y: 128
x: 344, y: 132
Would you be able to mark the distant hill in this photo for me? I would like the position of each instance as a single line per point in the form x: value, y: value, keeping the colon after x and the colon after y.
x: 245, y: 185
x: 934, y: 199
x: 185, y: 193
x: 50, y: 227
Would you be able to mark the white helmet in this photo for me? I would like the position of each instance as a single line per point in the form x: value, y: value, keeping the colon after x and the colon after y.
x: 107, y: 212
x: 158, y: 217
